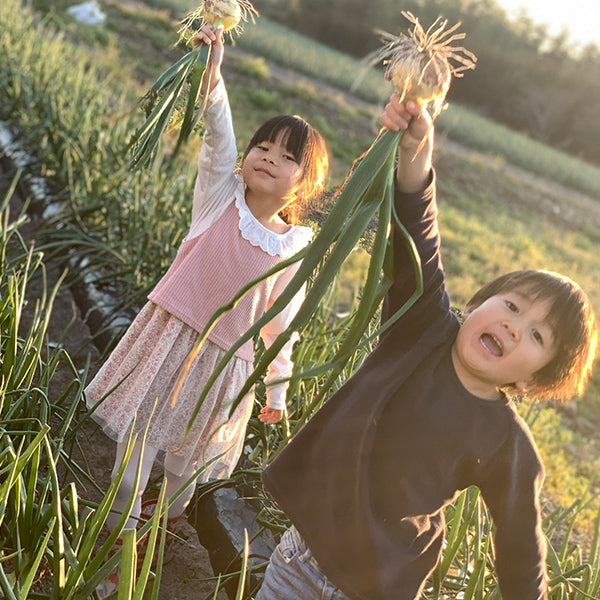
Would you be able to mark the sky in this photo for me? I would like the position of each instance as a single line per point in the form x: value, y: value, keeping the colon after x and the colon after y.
x: 579, y: 17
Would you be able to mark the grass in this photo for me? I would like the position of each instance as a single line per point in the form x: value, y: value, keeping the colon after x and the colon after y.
x: 315, y: 60
x: 319, y: 62
x: 48, y: 533
x: 478, y: 133
x: 128, y: 228
x: 322, y: 63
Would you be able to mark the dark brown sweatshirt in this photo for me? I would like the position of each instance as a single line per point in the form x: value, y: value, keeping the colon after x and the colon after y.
x: 366, y: 480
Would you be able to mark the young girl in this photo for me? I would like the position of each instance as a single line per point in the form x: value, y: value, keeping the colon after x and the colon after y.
x: 237, y: 233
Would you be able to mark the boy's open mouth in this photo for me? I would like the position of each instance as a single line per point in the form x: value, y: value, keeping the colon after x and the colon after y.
x: 491, y: 344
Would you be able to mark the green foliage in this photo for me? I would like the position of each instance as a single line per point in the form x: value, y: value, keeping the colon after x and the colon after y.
x: 479, y: 133
x: 306, y: 91
x: 280, y: 44
x: 321, y: 340
x: 48, y: 534
x: 265, y: 100
x: 256, y: 68
x: 562, y: 449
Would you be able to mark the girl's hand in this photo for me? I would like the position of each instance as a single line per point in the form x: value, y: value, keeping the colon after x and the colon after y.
x: 215, y: 38
x: 207, y: 36
x: 270, y: 416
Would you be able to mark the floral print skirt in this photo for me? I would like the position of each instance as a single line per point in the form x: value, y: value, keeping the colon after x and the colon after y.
x: 135, y: 389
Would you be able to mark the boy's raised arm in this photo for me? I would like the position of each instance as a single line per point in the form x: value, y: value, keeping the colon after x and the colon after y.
x: 416, y: 209
x: 416, y: 146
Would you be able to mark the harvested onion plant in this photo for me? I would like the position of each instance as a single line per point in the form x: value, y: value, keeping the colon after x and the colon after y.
x: 160, y: 102
x: 421, y: 64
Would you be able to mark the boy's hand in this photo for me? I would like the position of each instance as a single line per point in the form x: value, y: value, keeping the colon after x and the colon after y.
x: 416, y: 145
x: 407, y: 116
x: 207, y: 36
x: 270, y: 416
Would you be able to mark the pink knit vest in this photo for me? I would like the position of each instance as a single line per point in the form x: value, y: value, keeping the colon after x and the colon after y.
x: 207, y: 273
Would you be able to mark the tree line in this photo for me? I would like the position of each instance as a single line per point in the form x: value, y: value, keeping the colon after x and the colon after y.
x: 533, y: 82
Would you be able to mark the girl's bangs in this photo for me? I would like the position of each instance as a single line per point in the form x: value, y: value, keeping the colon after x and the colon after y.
x: 291, y: 131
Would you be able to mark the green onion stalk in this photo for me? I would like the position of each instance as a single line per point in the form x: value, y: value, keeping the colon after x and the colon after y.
x: 419, y: 66
x: 160, y: 101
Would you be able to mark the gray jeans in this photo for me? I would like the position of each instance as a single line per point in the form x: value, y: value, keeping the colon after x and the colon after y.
x: 293, y: 573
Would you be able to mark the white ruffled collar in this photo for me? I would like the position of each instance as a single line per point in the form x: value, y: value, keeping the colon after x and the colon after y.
x: 276, y: 244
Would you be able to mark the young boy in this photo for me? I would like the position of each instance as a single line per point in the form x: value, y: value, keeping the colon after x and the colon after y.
x: 426, y: 416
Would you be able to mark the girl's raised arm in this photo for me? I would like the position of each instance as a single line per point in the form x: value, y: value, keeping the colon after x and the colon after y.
x: 216, y: 182
x: 212, y: 74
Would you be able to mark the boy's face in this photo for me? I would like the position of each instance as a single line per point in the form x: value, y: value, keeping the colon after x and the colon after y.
x: 504, y: 341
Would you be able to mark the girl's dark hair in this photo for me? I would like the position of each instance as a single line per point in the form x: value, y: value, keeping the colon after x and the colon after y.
x: 573, y: 324
x: 307, y: 145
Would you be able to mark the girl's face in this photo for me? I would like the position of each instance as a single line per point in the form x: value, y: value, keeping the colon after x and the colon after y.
x: 502, y: 342
x: 269, y: 169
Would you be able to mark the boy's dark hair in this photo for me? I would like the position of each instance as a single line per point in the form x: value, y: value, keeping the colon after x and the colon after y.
x: 573, y: 323
x: 308, y: 147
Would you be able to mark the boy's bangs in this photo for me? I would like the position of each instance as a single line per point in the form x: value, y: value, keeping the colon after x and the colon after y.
x: 565, y: 303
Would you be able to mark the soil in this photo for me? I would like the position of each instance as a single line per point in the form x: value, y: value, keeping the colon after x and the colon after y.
x: 187, y: 570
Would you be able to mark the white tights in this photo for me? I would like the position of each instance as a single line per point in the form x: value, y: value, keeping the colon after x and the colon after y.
x: 126, y: 488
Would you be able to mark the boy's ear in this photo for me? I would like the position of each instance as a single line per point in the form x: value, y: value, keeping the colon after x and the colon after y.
x: 467, y: 310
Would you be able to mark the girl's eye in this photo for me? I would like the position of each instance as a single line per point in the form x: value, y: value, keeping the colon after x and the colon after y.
x: 537, y: 336
x: 289, y: 157
x: 262, y: 147
x: 511, y: 306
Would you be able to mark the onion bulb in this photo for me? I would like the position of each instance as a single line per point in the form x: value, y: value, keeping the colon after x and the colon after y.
x: 420, y: 65
x: 220, y: 14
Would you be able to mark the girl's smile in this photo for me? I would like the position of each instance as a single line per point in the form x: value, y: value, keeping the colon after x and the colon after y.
x: 271, y: 173
x: 265, y: 171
